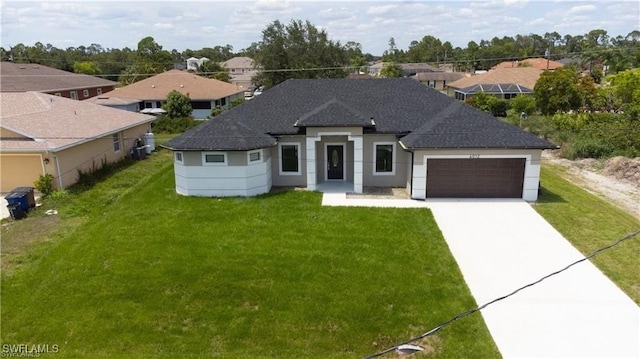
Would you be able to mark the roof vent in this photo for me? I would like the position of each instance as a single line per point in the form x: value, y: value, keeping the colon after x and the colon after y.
x: 181, y: 85
x: 153, y: 86
x: 22, y: 67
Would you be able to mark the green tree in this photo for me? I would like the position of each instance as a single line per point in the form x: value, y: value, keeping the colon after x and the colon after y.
x: 557, y: 91
x: 489, y: 104
x: 86, y: 67
x: 177, y: 105
x: 213, y: 70
x: 523, y: 103
x: 298, y: 50
x: 391, y: 69
x: 626, y: 91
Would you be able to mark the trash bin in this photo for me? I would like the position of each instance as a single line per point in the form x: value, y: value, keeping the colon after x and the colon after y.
x: 19, y: 198
x: 139, y: 153
x: 15, y: 210
x: 29, y: 191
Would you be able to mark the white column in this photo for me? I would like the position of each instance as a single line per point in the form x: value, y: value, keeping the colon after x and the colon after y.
x: 311, y: 163
x: 419, y: 187
x: 357, y: 163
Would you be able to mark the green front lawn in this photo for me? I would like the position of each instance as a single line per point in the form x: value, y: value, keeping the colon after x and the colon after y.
x: 138, y: 271
x: 590, y: 223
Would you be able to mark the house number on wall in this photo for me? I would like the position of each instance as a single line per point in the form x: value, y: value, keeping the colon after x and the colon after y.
x: 474, y: 157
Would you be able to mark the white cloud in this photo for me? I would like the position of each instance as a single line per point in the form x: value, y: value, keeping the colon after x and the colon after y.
x: 336, y: 13
x: 163, y: 26
x: 582, y: 9
x: 208, y: 29
x: 381, y: 10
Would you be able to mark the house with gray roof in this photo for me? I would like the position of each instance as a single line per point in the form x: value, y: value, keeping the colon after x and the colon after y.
x: 350, y: 134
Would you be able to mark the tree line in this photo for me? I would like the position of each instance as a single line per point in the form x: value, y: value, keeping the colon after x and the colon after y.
x: 301, y: 50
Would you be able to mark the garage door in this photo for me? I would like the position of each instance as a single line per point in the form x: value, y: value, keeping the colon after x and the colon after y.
x: 19, y: 171
x: 475, y: 178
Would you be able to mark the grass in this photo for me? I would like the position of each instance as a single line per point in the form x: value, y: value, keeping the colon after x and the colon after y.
x: 590, y: 223
x: 134, y: 270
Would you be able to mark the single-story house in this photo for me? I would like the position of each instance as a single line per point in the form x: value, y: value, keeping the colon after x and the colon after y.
x: 408, y: 69
x: 43, y: 133
x: 521, y: 76
x: 438, y: 80
x: 536, y: 63
x: 355, y: 134
x: 34, y: 77
x: 152, y: 92
x: 121, y: 103
x: 501, y: 91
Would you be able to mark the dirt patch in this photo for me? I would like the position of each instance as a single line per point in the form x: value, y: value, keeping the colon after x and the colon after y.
x: 616, y: 179
x: 19, y: 236
x: 381, y: 192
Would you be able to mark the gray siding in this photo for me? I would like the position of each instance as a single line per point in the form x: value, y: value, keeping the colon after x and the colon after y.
x: 289, y: 180
x: 401, y: 164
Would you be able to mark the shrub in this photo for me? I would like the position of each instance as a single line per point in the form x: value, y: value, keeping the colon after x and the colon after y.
x: 166, y: 124
x: 44, y: 184
x: 589, y: 148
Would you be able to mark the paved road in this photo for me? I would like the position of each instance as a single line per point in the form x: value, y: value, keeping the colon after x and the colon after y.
x: 503, y: 245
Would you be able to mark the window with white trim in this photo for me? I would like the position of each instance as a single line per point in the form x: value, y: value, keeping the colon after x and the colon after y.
x: 214, y: 158
x: 116, y: 142
x: 73, y: 95
x: 384, y: 158
x: 289, y: 155
x: 99, y: 91
x: 178, y: 157
x: 85, y: 93
x: 255, y: 156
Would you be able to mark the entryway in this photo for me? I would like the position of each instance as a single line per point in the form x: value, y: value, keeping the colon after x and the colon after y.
x: 335, y: 162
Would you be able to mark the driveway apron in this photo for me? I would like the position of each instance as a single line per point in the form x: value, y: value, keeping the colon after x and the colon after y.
x: 501, y: 245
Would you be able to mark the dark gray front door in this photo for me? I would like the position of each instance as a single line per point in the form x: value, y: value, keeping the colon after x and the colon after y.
x: 335, y: 162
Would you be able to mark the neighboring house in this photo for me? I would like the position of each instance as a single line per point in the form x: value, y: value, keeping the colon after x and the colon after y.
x: 501, y: 91
x: 43, y: 133
x: 520, y: 76
x: 193, y: 63
x: 33, y: 77
x: 354, y: 134
x: 241, y: 71
x: 536, y: 63
x: 121, y: 103
x: 408, y: 69
x: 205, y: 94
x: 438, y: 80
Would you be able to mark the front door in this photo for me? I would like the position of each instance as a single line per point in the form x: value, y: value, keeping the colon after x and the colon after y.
x: 335, y: 162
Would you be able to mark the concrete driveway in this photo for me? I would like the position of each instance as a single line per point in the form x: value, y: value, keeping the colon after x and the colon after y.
x: 502, y: 245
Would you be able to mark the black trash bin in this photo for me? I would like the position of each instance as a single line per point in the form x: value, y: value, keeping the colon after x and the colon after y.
x: 15, y: 210
x: 30, y: 196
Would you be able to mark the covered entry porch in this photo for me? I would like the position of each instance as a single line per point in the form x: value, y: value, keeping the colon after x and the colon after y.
x: 334, y: 159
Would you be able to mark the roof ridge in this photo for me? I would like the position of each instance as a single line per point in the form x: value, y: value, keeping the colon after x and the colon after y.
x: 326, y: 105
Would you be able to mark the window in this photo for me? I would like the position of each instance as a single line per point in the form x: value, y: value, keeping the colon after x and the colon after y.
x: 58, y: 94
x: 431, y: 83
x: 178, y: 156
x: 73, y: 95
x: 116, y: 142
x: 223, y: 101
x: 214, y: 158
x: 148, y: 104
x: 85, y: 93
x: 289, y: 159
x: 201, y: 105
x: 384, y: 152
x: 99, y: 91
x: 254, y: 156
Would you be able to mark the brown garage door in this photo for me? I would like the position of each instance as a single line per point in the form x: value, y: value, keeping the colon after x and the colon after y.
x: 475, y: 178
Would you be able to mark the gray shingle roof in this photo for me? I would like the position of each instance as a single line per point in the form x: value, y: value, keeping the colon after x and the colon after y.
x: 34, y: 77
x: 221, y: 134
x: 399, y: 106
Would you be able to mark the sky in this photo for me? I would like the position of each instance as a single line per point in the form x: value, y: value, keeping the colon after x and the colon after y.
x: 192, y: 25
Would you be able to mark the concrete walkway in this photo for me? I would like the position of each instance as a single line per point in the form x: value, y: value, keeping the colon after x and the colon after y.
x: 501, y: 245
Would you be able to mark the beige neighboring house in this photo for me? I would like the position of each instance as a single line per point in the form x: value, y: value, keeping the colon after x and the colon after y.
x: 241, y: 70
x: 536, y: 63
x: 438, y: 80
x: 522, y: 76
x: 34, y: 77
x: 44, y: 133
x: 152, y: 92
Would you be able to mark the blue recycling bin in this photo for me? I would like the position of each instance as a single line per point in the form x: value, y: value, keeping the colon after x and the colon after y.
x: 15, y: 210
x: 19, y: 198
x: 29, y: 191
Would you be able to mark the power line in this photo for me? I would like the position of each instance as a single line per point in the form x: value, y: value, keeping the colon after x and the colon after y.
x: 464, y: 314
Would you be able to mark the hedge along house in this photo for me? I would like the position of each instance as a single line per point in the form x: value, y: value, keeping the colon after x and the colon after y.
x: 349, y: 134
x: 49, y: 134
